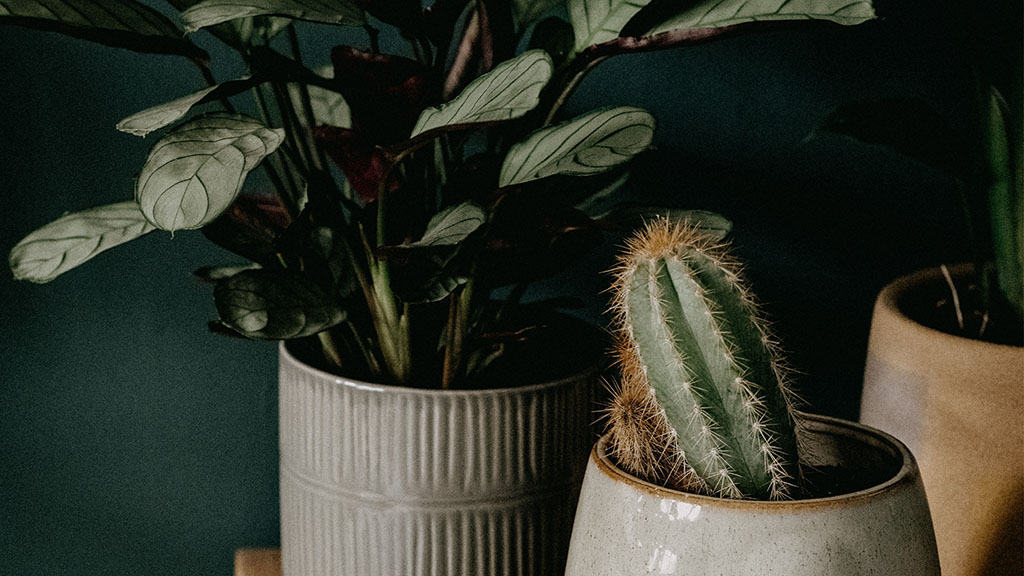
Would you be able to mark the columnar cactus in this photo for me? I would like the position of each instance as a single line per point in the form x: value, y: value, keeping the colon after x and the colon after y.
x: 702, y: 401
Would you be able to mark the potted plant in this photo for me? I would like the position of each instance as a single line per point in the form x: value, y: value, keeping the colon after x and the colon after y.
x: 413, y: 404
x: 707, y: 466
x: 946, y: 349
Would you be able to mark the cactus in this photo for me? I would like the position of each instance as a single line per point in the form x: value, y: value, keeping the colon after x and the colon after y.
x: 702, y: 404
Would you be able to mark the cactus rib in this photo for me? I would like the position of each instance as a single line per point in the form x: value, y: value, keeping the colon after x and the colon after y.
x: 691, y: 340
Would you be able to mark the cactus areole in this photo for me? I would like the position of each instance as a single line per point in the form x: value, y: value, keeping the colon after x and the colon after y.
x: 691, y: 341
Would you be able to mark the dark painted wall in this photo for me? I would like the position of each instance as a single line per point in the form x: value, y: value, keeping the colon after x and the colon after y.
x: 133, y: 442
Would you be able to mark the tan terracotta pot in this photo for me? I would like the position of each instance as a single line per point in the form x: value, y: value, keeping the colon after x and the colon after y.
x: 959, y: 405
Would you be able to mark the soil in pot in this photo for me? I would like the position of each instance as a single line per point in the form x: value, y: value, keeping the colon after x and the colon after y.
x: 960, y: 311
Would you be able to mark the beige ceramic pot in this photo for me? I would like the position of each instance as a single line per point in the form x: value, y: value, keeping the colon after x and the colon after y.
x: 388, y: 480
x: 959, y: 405
x: 627, y: 526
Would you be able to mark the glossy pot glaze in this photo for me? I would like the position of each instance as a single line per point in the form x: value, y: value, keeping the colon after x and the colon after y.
x: 409, y: 482
x: 627, y: 526
x: 958, y: 404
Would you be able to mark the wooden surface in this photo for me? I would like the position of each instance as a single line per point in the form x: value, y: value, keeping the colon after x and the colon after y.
x: 258, y: 562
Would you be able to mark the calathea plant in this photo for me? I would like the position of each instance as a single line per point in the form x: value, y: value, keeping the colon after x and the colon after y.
x: 702, y: 405
x: 455, y: 178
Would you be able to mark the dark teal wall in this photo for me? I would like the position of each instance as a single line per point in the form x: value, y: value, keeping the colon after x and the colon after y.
x: 133, y: 442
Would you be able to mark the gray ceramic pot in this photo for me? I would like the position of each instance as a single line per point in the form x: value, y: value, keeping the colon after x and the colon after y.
x: 403, y: 481
x: 627, y: 526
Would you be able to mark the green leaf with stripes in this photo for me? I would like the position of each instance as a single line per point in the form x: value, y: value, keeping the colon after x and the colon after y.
x: 721, y: 13
x: 75, y: 238
x: 119, y: 23
x: 212, y: 12
x: 452, y: 225
x: 274, y: 305
x: 589, y: 144
x: 597, y: 21
x: 142, y: 123
x: 508, y: 91
x: 195, y: 172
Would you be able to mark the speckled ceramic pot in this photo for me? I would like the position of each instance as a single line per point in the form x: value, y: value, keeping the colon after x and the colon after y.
x: 958, y: 404
x: 396, y: 481
x: 627, y: 526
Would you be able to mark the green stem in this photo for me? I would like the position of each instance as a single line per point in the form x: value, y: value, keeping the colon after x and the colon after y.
x: 330, y: 348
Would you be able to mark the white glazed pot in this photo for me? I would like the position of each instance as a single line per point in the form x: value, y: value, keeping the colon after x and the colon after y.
x: 625, y: 526
x: 959, y: 405
x: 388, y: 480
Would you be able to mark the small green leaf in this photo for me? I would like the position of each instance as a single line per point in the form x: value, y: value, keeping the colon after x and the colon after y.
x: 597, y: 21
x: 588, y: 144
x: 274, y: 305
x: 215, y: 274
x: 508, y: 91
x: 721, y: 13
x: 452, y: 225
x: 211, y: 12
x: 119, y: 23
x: 74, y: 238
x: 150, y: 119
x: 194, y: 172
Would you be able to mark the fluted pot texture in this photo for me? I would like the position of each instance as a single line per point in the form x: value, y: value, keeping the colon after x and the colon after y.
x: 408, y: 482
x: 627, y: 526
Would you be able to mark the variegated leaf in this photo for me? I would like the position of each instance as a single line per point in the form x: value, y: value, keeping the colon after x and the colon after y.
x: 274, y: 305
x: 211, y: 12
x: 597, y: 21
x: 508, y: 91
x: 150, y: 119
x: 721, y: 13
x: 121, y: 23
x: 588, y: 144
x: 75, y: 238
x: 194, y: 172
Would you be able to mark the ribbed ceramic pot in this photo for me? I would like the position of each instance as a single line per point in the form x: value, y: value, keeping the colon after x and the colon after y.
x: 959, y: 405
x: 627, y: 526
x: 388, y: 480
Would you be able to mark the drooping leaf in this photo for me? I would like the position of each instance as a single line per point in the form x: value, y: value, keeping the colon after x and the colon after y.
x: 597, y: 21
x: 274, y: 305
x: 588, y: 144
x: 508, y: 91
x: 194, y: 172
x: 119, y: 23
x: 74, y: 238
x: 211, y: 12
x: 150, y: 119
x: 386, y: 93
x: 721, y: 13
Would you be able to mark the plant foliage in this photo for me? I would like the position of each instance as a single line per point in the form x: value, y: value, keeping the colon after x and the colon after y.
x: 407, y: 187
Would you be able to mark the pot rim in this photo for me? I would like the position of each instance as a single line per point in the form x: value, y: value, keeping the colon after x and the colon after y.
x: 587, y: 373
x: 905, y: 286
x: 908, y: 472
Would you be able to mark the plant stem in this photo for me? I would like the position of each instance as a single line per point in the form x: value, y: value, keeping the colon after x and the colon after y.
x: 574, y: 81
x: 330, y: 348
x: 458, y: 325
x: 317, y: 155
x: 374, y: 35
